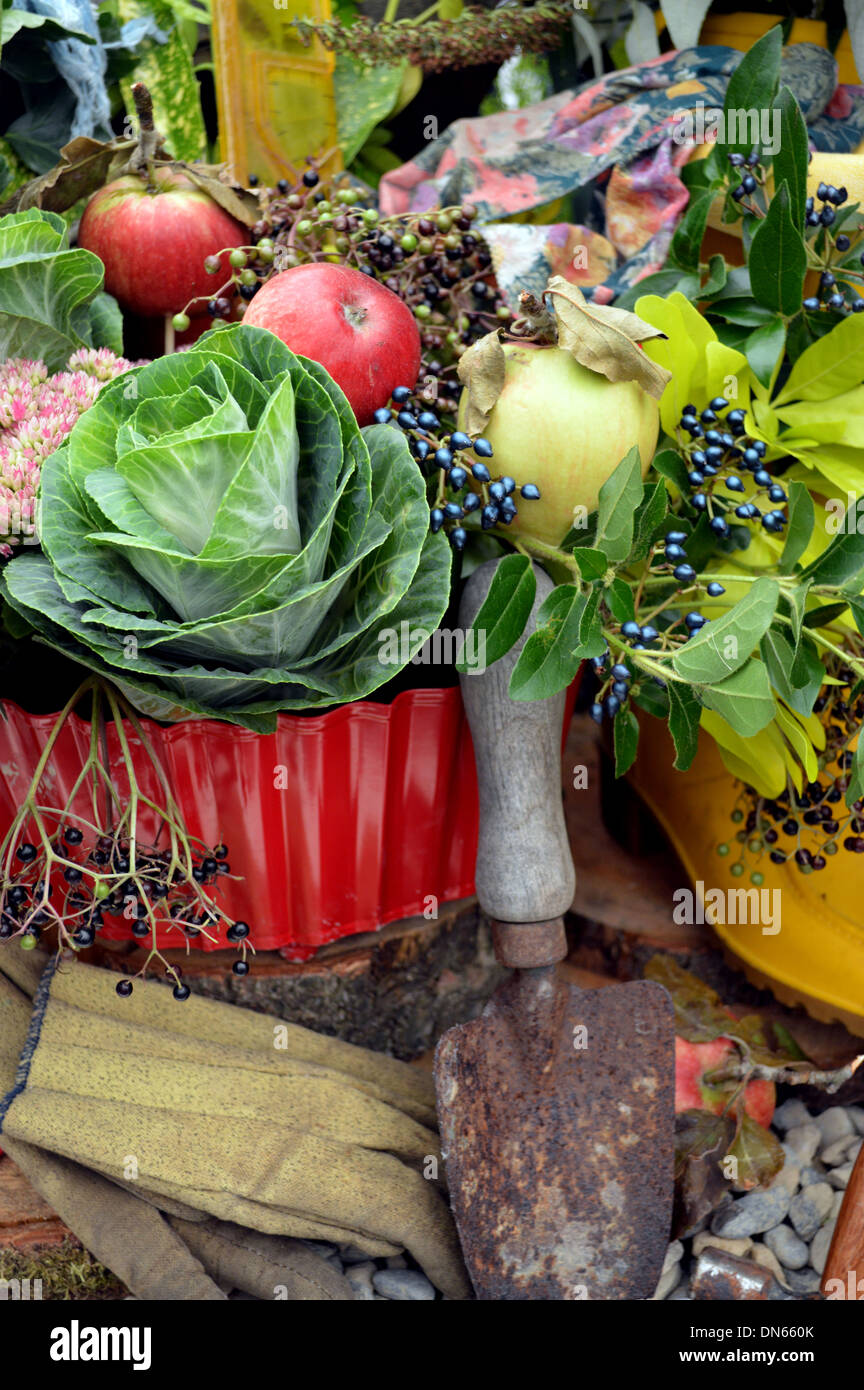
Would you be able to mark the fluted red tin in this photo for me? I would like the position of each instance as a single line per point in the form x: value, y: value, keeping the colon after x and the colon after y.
x: 336, y: 823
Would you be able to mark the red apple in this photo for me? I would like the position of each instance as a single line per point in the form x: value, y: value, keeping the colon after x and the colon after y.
x: 361, y: 332
x: 692, y: 1092
x: 153, y: 241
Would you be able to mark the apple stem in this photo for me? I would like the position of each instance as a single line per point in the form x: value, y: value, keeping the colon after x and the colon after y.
x: 149, y: 139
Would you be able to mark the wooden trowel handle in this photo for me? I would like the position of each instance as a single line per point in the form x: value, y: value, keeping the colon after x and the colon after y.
x: 524, y: 867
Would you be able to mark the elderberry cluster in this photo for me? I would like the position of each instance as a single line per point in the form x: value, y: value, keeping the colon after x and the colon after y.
x: 475, y: 491
x: 777, y: 825
x: 718, y: 452
x: 102, y: 882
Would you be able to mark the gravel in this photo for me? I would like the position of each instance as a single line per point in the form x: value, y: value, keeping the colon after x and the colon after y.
x: 787, y: 1227
x: 404, y: 1285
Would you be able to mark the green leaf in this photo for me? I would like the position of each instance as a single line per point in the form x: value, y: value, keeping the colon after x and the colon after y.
x: 765, y: 348
x: 843, y: 558
x: 669, y: 464
x: 626, y: 738
x: 793, y: 674
x: 506, y: 607
x: 620, y: 495
x: 650, y: 517
x: 830, y: 366
x: 802, y: 517
x: 855, y: 789
x: 752, y: 87
x: 684, y: 711
x: 619, y: 597
x: 716, y: 279
x: 364, y: 98
x: 593, y: 564
x: 744, y: 699
x: 790, y: 161
x: 794, y: 605
x: 686, y: 244
x: 663, y: 283
x: 106, y: 323
x: 825, y: 614
x: 778, y: 258
x: 166, y: 69
x: 725, y: 644
x: 548, y: 661
x: 45, y: 289
x: 743, y: 311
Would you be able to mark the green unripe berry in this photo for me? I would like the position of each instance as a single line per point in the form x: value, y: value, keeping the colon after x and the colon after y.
x: 27, y: 942
x: 324, y: 219
x: 425, y: 246
x: 237, y: 260
x: 267, y: 254
x: 737, y: 817
x: 723, y: 850
x: 503, y: 312
x: 452, y: 242
x: 408, y: 242
x: 248, y: 277
x: 757, y: 880
x: 443, y: 222
x: 323, y: 206
x: 180, y: 323
x: 736, y: 870
x: 370, y: 216
x: 830, y: 848
x: 343, y: 244
x: 304, y: 227
x: 422, y: 311
x: 100, y: 889
x: 755, y: 846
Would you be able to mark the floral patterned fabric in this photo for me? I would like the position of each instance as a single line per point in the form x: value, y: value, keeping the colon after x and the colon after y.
x: 619, y: 136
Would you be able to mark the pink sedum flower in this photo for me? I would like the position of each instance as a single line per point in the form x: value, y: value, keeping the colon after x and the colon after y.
x: 36, y: 414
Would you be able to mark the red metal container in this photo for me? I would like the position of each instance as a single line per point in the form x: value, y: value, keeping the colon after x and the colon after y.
x: 337, y: 823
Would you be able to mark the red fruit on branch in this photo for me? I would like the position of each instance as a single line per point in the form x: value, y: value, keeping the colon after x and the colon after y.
x: 693, y: 1061
x: 153, y: 238
x: 361, y: 332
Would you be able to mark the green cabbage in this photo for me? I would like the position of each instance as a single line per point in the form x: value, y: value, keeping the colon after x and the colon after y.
x: 221, y: 539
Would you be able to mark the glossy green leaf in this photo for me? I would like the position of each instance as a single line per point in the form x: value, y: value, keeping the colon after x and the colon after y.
x: 830, y: 366
x: 504, y: 612
x: 744, y: 699
x: 620, y: 495
x: 843, y: 558
x: 684, y: 714
x: 802, y: 515
x: 778, y: 258
x: 752, y: 88
x: 626, y: 740
x: 726, y: 643
x: 790, y: 161
x: 548, y: 661
x: 764, y: 350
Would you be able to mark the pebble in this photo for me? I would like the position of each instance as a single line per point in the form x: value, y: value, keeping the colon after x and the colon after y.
x: 681, y: 1294
x: 758, y: 1211
x: 812, y: 1174
x: 790, y: 1249
x: 837, y: 1204
x: 360, y: 1276
x: 739, y: 1247
x: 803, y: 1142
x: 396, y: 1262
x: 810, y: 1208
x: 856, y: 1115
x: 404, y: 1285
x: 803, y: 1280
x: 669, y: 1280
x: 351, y: 1255
x: 819, y: 1248
x: 854, y: 1149
x: 674, y: 1255
x: 839, y: 1177
x: 835, y: 1153
x: 321, y: 1247
x: 768, y: 1260
x: 788, y: 1177
x: 834, y: 1123
x: 790, y: 1114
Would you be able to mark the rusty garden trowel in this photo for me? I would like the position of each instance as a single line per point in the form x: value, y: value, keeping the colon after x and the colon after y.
x: 557, y: 1105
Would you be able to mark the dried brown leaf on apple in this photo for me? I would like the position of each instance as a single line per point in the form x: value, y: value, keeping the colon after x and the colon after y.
x: 605, y: 339
x: 238, y: 202
x: 701, y: 1142
x: 481, y: 371
x: 699, y: 1014
x: 85, y: 166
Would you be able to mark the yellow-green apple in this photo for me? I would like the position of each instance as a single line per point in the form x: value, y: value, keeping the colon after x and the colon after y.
x: 153, y: 239
x: 693, y: 1092
x: 566, y: 428
x: 361, y: 332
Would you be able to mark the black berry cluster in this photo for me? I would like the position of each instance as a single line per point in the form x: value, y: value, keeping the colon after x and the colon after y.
x: 718, y: 452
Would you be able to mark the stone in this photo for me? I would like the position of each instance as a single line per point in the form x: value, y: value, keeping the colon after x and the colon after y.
x: 681, y: 1294
x: 669, y: 1280
x: 804, y: 1280
x: 359, y: 1276
x: 812, y: 1173
x: 856, y: 1115
x: 839, y: 1177
x: 803, y: 1141
x: 788, y: 1177
x: 674, y: 1255
x: 740, y: 1247
x: 768, y: 1260
x: 404, y: 1285
x: 790, y: 1249
x: 758, y: 1211
x: 321, y: 1247
x: 854, y: 1150
x: 819, y: 1247
x: 809, y: 1208
x: 834, y: 1123
x: 834, y: 1154
x: 352, y: 1255
x: 836, y: 1205
x: 396, y: 1262
x: 790, y: 1114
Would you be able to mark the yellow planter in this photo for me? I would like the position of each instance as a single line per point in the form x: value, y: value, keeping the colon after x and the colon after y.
x: 817, y: 957
x: 741, y: 30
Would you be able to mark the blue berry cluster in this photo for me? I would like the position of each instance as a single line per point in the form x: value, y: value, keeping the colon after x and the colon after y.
x: 615, y: 689
x: 831, y: 294
x: 718, y: 452
x: 749, y: 180
x: 470, y: 480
